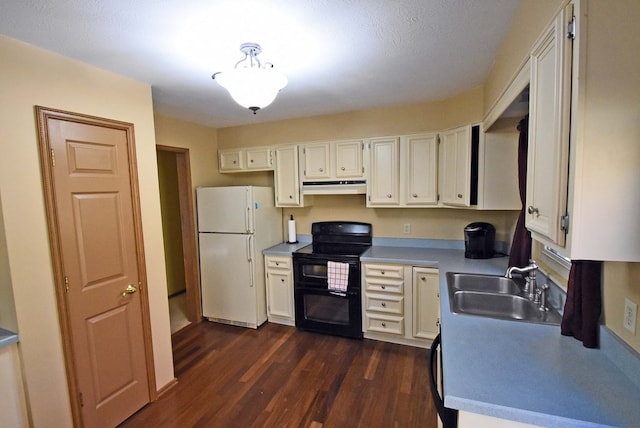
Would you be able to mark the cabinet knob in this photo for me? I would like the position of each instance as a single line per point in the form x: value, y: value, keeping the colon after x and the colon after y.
x: 277, y: 263
x: 384, y: 324
x: 532, y: 210
x: 381, y: 272
x: 251, y: 161
x: 281, y: 279
x: 460, y: 195
x: 388, y: 195
x: 383, y: 304
x: 415, y: 195
x: 383, y: 287
x: 343, y: 168
x: 234, y: 162
x: 290, y: 196
x: 423, y: 278
x: 321, y: 170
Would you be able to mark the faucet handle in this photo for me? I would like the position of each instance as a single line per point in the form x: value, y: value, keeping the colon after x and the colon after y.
x: 541, y: 297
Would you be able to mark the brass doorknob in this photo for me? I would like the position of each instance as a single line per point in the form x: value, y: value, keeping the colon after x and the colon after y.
x: 129, y: 290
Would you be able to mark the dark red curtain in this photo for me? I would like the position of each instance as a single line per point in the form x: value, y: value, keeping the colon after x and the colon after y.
x: 581, y: 318
x: 521, y: 244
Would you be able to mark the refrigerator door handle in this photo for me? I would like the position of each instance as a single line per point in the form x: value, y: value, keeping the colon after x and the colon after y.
x: 250, y: 258
x: 248, y: 217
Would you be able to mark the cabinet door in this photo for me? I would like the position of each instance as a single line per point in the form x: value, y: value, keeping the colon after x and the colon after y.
x: 455, y: 153
x: 286, y: 177
x: 348, y: 155
x: 259, y: 158
x: 383, y: 184
x: 280, y: 293
x: 421, y: 172
x: 426, y: 303
x: 230, y: 160
x: 317, y: 161
x: 548, y: 151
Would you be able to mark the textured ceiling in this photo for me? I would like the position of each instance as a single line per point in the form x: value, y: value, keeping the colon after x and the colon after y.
x: 339, y: 55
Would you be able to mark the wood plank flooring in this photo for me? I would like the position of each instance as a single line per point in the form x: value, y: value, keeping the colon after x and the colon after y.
x: 278, y: 376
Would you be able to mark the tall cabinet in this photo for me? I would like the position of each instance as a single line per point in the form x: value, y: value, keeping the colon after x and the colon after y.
x: 584, y: 156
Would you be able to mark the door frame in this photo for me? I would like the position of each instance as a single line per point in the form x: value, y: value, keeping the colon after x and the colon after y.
x: 188, y: 229
x: 42, y: 116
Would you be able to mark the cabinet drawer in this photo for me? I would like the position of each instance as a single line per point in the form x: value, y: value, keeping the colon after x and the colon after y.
x: 384, y: 271
x: 382, y: 285
x: 382, y: 303
x: 278, y: 263
x: 385, y: 324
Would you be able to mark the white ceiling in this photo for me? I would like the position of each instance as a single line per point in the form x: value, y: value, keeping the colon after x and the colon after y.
x: 339, y: 55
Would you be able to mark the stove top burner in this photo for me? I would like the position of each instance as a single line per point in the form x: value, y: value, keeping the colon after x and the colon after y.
x: 337, y: 238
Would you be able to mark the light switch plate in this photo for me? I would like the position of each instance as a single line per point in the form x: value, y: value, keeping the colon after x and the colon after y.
x: 630, y: 314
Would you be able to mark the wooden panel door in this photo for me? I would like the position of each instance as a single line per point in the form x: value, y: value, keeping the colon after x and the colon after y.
x: 100, y: 262
x: 317, y: 164
x: 286, y: 177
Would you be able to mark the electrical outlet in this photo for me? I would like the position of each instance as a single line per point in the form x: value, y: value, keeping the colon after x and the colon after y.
x: 406, y: 228
x: 630, y: 314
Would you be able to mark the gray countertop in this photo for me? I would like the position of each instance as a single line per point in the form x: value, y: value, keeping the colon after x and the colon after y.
x: 519, y: 371
x: 7, y: 338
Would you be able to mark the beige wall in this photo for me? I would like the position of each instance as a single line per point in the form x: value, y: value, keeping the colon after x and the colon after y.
x: 8, y: 318
x: 30, y: 76
x: 532, y: 18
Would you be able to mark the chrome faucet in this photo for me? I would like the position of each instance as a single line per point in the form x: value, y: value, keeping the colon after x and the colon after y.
x: 529, y: 275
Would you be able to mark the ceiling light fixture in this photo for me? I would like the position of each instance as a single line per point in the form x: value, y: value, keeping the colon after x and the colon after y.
x: 251, y: 84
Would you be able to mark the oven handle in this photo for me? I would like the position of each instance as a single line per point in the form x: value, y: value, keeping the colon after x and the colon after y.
x: 337, y: 293
x: 449, y: 417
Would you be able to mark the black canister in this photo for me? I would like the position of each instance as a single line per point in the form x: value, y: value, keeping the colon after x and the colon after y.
x: 479, y: 240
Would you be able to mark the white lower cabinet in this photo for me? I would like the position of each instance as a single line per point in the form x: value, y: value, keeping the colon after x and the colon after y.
x: 400, y: 303
x: 426, y: 303
x: 279, y: 281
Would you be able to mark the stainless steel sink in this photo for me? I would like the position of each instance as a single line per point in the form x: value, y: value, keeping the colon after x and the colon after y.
x: 494, y: 297
x: 486, y: 283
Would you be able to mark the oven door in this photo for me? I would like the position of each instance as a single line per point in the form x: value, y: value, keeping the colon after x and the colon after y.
x: 320, y: 310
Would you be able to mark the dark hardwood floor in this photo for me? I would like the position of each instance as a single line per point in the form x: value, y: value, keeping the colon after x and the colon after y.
x: 278, y: 376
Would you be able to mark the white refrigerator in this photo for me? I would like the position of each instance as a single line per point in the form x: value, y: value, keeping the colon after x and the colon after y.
x: 234, y: 225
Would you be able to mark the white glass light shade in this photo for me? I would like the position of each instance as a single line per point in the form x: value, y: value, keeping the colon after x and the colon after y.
x: 253, y: 88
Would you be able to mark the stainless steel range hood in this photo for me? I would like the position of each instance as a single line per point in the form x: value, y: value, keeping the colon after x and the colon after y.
x: 343, y: 187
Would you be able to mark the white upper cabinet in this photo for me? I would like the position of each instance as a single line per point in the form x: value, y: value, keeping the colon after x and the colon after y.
x: 286, y: 180
x: 419, y: 169
x: 548, y: 151
x: 455, y: 158
x: 383, y: 186
x: 348, y: 155
x: 591, y: 210
x: 245, y: 160
x: 316, y: 161
x: 333, y: 160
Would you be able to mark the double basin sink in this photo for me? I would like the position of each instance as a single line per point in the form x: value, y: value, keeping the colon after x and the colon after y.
x: 495, y: 296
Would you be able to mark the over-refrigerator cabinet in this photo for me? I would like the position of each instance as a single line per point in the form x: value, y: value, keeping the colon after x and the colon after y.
x: 234, y: 225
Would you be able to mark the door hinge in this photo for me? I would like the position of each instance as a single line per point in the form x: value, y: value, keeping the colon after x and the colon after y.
x: 571, y: 28
x: 81, y: 399
x: 564, y: 223
x: 438, y: 139
x: 66, y: 284
x: 53, y: 157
